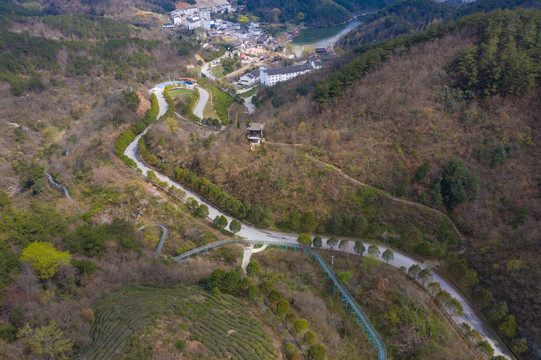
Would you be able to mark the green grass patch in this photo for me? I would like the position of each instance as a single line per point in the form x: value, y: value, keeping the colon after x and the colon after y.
x: 249, y: 93
x: 218, y: 71
x: 180, y: 92
x: 222, y: 100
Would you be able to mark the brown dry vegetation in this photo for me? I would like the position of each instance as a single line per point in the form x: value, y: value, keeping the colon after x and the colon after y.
x: 310, y: 293
x: 380, y: 132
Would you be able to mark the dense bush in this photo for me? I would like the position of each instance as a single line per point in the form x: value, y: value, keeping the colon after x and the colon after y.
x: 458, y: 184
x: 92, y: 240
x: 228, y: 282
x: 44, y: 258
x: 86, y: 267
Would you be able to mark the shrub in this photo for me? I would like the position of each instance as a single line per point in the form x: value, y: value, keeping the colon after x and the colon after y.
x: 274, y: 296
x: 300, y: 325
x: 345, y: 276
x: 368, y: 263
x: 308, y: 222
x: 304, y: 239
x: 309, y: 338
x: 47, y: 341
x: 87, y: 314
x: 203, y: 210
x: 266, y: 287
x: 253, y: 292
x: 44, y: 258
x: 316, y: 352
x: 85, y: 267
x: 317, y: 241
x: 180, y: 344
x: 282, y: 307
x: 295, y: 356
x: 423, y: 249
x: 253, y: 269
x: 289, y: 349
x: 290, y: 318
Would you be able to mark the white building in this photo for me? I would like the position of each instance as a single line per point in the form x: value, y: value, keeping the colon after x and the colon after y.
x: 204, y: 13
x: 193, y: 17
x: 218, y: 9
x: 251, y: 78
x: 193, y: 23
x: 269, y: 77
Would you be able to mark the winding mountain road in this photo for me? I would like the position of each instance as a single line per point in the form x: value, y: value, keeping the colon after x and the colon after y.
x: 162, y: 238
x: 250, y: 232
x: 63, y: 189
x: 203, y: 98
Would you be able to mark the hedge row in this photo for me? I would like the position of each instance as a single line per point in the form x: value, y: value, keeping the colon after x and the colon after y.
x: 124, y: 139
x: 170, y: 103
x: 243, y: 210
x: 193, y: 100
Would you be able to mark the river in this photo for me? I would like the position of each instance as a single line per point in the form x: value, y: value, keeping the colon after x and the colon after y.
x: 320, y: 37
x: 323, y: 36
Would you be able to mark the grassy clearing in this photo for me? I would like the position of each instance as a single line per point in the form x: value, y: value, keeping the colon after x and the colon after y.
x: 180, y: 92
x: 222, y: 100
x: 218, y: 71
x: 221, y: 323
x: 208, y: 111
x: 249, y: 93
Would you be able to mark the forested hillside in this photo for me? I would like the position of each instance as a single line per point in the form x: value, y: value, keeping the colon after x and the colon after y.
x: 408, y: 16
x: 68, y: 85
x: 438, y: 117
x: 315, y: 13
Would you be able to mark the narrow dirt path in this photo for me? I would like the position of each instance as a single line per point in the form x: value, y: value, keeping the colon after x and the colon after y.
x: 391, y: 197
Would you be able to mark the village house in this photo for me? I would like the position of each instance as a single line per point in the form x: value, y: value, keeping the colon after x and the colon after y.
x: 250, y: 79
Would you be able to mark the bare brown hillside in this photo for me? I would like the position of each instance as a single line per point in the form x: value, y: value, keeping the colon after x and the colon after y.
x: 382, y: 131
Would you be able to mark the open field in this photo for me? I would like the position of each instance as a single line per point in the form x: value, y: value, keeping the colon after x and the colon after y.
x: 180, y: 92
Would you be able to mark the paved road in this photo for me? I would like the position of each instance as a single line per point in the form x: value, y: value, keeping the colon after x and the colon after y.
x: 203, y: 98
x: 250, y: 232
x: 162, y: 238
x: 249, y: 105
x: 205, y: 69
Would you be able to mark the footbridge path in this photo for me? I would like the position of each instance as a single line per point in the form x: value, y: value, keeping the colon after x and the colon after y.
x: 347, y: 299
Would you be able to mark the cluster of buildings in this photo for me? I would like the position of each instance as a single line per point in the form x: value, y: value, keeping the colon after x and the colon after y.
x: 248, y: 39
x: 271, y: 76
x: 198, y: 16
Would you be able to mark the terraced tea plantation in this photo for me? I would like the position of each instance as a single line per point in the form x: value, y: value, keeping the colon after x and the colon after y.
x: 220, y: 322
x: 225, y: 327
